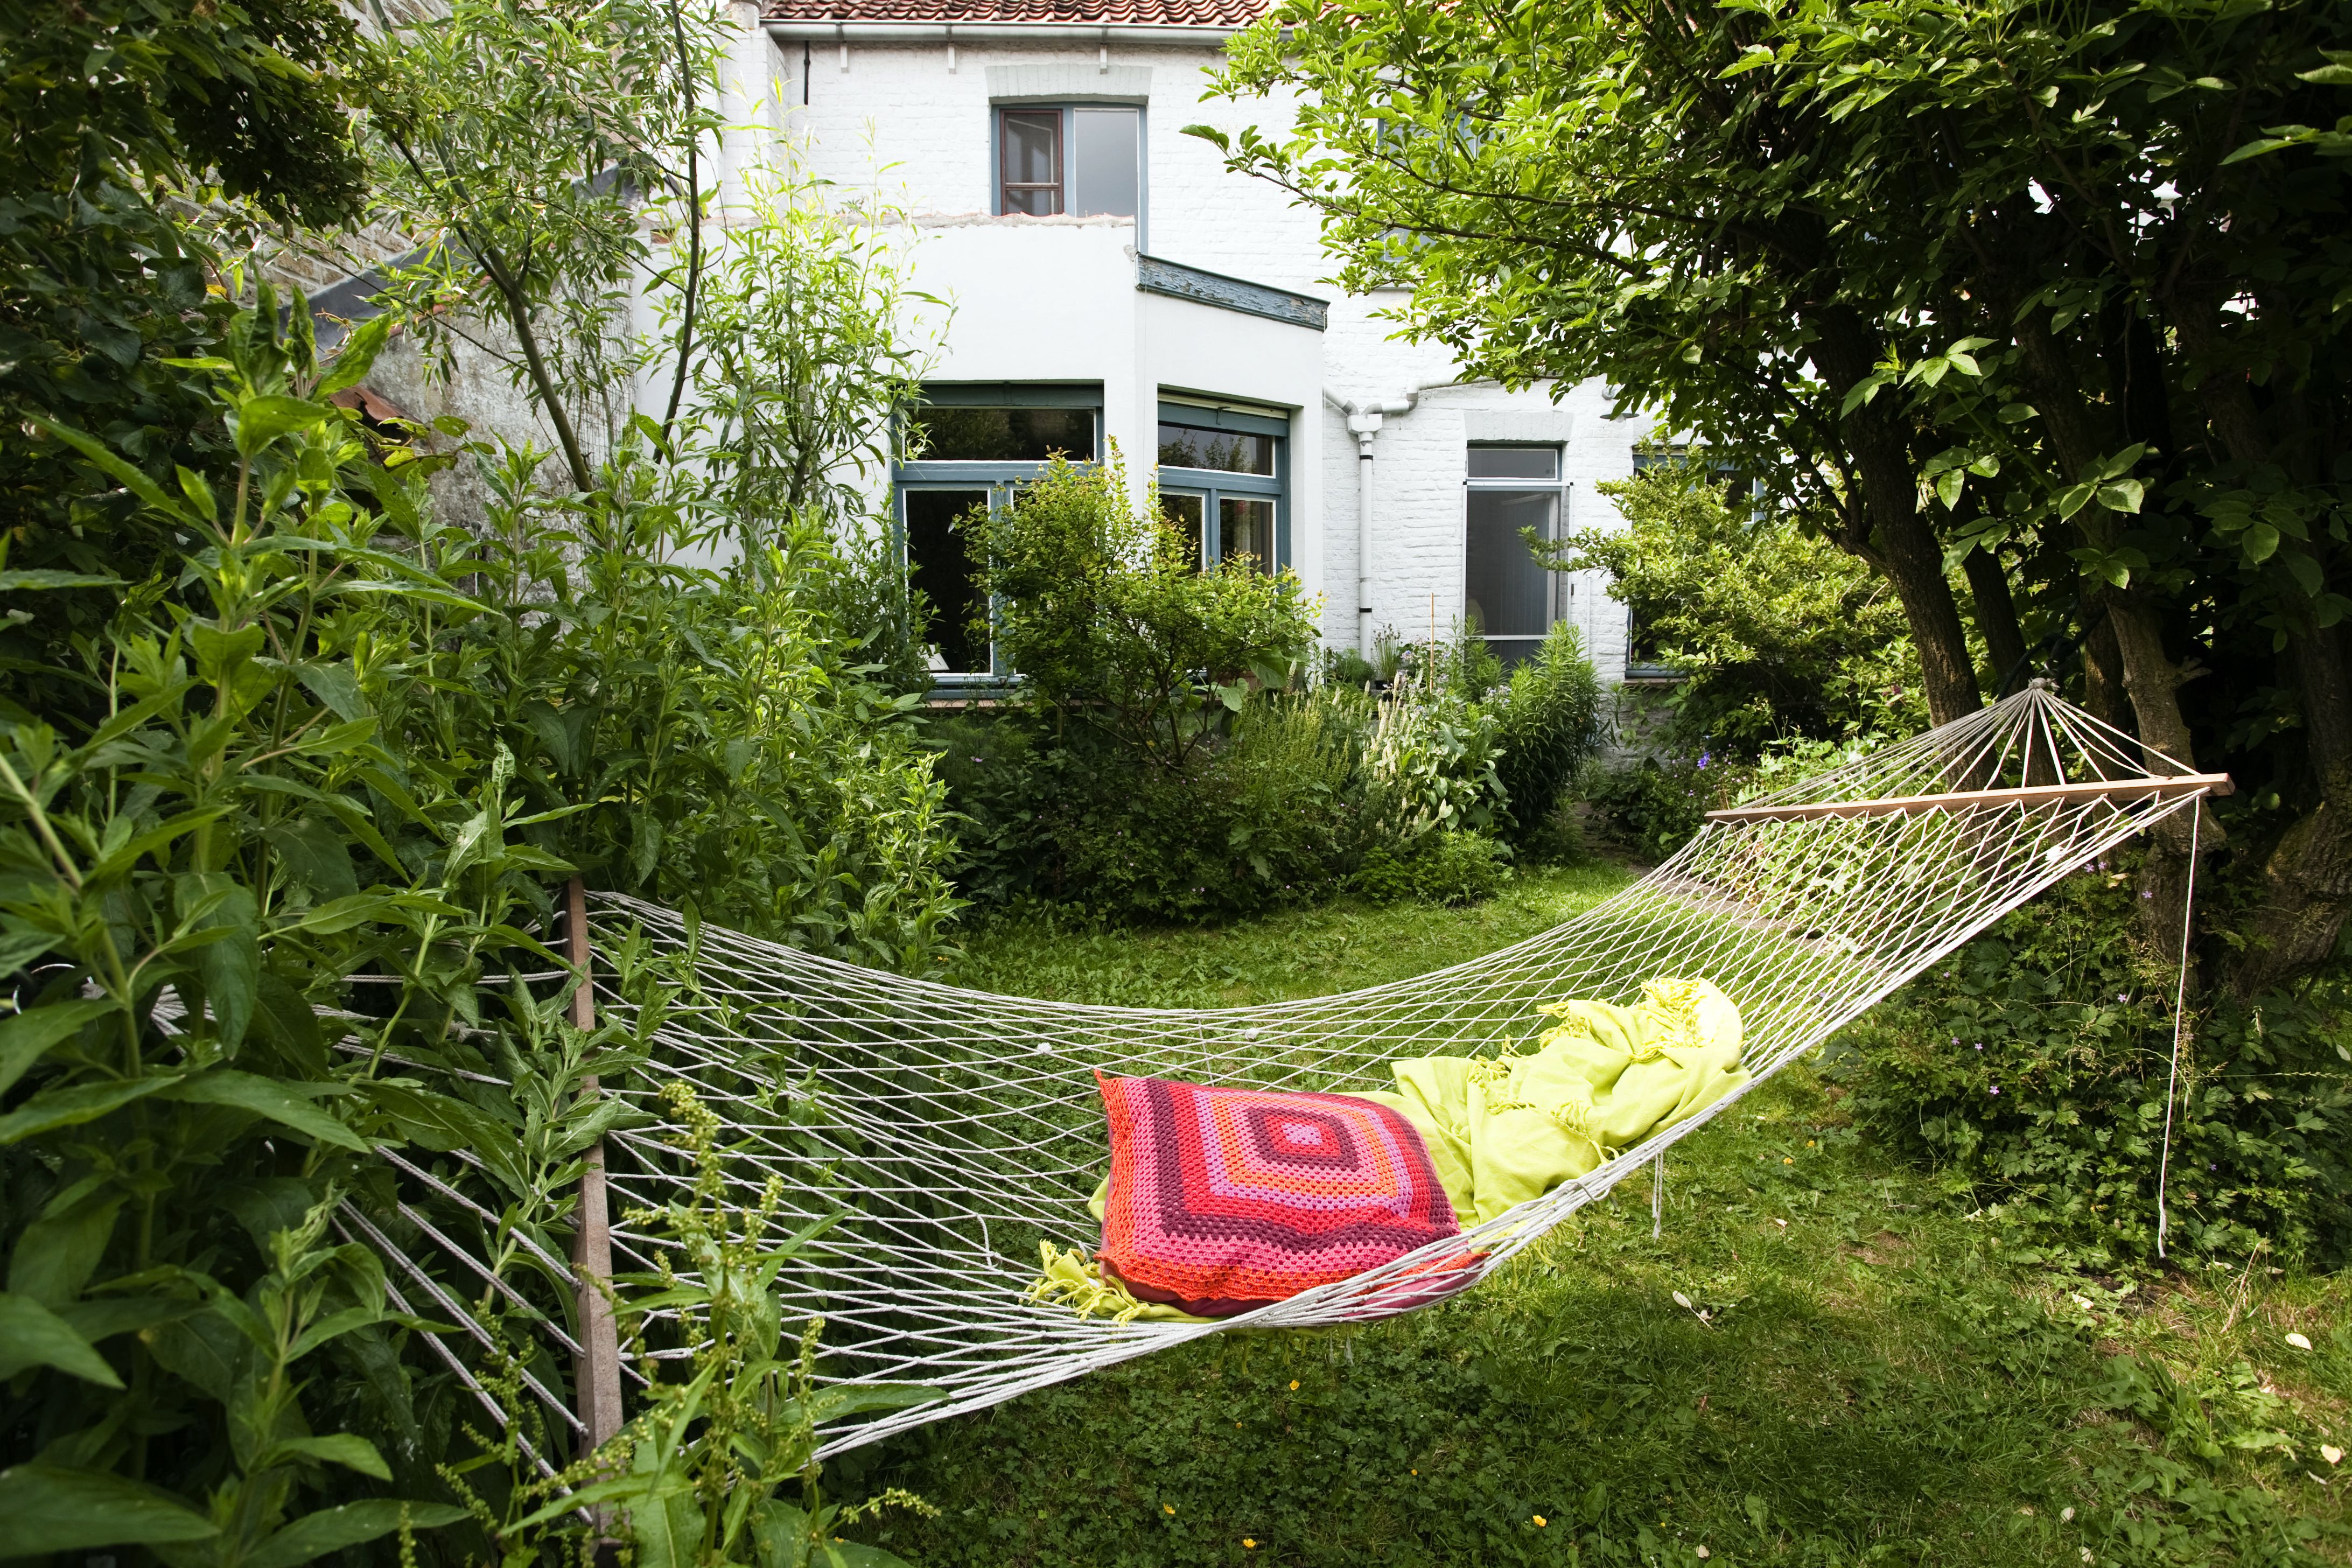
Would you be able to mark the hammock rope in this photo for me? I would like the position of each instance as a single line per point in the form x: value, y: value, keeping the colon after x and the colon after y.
x: 955, y: 1132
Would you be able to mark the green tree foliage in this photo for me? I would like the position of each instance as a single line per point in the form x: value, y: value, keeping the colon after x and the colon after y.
x: 108, y: 113
x: 1776, y: 632
x: 2054, y: 296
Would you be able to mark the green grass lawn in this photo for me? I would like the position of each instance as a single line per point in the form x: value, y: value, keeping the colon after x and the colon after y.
x: 1865, y: 1372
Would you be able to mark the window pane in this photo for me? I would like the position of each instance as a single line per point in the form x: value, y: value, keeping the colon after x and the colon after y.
x: 1004, y: 434
x: 1030, y: 162
x: 1508, y: 595
x: 1184, y: 514
x: 1245, y: 527
x: 939, y: 565
x: 1191, y: 447
x: 1514, y: 462
x: 1103, y: 165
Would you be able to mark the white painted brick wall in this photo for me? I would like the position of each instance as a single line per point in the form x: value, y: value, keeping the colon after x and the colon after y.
x: 900, y: 118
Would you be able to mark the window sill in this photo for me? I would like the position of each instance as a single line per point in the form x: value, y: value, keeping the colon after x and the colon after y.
x: 1021, y: 220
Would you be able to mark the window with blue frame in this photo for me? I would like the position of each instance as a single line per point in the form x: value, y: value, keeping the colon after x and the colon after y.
x: 1225, y: 483
x: 973, y: 443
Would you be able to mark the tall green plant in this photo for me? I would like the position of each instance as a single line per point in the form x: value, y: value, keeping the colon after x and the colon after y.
x: 1101, y: 609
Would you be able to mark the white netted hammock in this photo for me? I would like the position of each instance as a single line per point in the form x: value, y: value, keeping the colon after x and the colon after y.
x: 954, y: 1129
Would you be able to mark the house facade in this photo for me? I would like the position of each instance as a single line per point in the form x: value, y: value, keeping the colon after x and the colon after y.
x: 1109, y: 287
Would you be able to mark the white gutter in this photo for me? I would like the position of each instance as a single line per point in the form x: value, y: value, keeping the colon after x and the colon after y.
x: 1364, y: 416
x: 847, y: 33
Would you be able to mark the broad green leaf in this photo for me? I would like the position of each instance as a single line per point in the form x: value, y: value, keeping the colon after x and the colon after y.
x: 356, y: 357
x: 258, y: 421
x: 59, y: 1252
x: 221, y: 653
x: 348, y: 1450
x: 337, y: 1528
x: 266, y: 1096
x: 39, y: 577
x: 72, y: 1106
x: 668, y: 1528
x: 336, y: 687
x: 121, y: 472
x: 2123, y: 495
x: 27, y: 1038
x: 32, y: 1335
x: 48, y: 1509
x: 2260, y: 541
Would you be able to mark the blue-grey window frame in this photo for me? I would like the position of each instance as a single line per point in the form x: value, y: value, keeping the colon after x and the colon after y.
x: 1214, y: 483
x: 996, y: 113
x: 997, y: 478
x: 1557, y: 485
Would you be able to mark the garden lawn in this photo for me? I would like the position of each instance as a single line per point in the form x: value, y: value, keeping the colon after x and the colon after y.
x: 1866, y: 1372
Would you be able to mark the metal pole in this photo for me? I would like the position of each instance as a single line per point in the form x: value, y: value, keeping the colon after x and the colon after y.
x: 597, y: 1389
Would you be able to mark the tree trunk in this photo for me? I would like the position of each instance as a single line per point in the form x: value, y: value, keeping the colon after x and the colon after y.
x: 2102, y: 671
x: 1997, y: 620
x: 1903, y: 538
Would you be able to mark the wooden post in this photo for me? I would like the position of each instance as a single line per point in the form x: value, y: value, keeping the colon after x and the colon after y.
x: 597, y: 1385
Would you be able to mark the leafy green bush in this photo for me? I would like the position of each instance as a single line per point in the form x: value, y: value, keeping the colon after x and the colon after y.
x: 1778, y: 632
x: 2035, y: 1063
x: 1551, y: 718
x: 1444, y: 867
x: 1655, y: 808
x: 1100, y: 608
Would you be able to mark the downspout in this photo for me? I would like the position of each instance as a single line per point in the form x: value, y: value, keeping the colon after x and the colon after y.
x: 1364, y: 416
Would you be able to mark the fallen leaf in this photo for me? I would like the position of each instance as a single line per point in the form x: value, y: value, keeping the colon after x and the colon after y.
x: 1682, y: 1301
x: 2331, y: 1453
x: 2298, y: 1341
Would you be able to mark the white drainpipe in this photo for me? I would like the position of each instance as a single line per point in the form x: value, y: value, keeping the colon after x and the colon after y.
x: 1364, y: 416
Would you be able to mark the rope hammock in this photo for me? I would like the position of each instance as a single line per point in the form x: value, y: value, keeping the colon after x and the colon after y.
x: 953, y: 1130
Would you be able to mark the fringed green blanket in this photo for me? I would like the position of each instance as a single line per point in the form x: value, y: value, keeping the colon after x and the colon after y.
x: 1504, y: 1128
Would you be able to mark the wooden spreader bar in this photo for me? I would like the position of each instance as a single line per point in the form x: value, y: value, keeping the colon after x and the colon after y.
x: 1965, y: 800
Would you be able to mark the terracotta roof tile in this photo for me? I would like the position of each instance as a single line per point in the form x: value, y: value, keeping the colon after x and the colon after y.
x: 1082, y: 12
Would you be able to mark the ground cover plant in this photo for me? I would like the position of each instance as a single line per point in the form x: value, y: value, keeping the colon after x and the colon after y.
x: 1827, y: 1356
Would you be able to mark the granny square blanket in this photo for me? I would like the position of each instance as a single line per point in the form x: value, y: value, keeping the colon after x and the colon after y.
x: 1223, y: 1200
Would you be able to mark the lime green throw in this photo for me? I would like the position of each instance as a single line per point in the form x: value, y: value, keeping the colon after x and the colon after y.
x: 1502, y: 1129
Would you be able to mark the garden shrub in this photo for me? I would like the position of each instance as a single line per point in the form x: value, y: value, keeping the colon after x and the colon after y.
x: 1655, y: 807
x: 1444, y: 867
x: 2034, y: 1064
x: 1549, y: 716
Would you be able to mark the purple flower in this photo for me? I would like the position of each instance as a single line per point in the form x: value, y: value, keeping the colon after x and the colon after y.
x: 1995, y: 1089
x: 1705, y: 758
x: 2147, y: 895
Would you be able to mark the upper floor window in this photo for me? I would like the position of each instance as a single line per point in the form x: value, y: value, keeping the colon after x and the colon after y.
x: 1084, y: 160
x: 1508, y: 593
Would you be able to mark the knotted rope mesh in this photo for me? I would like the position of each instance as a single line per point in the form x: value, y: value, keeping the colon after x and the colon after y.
x: 953, y: 1130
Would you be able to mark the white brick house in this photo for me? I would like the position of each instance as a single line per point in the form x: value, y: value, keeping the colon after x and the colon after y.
x: 1112, y: 283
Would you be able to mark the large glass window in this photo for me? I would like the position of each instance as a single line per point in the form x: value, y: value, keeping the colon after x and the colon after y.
x: 972, y: 445
x: 1225, y: 483
x: 1508, y: 593
x: 1086, y: 159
